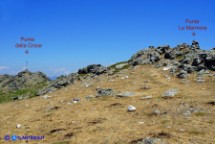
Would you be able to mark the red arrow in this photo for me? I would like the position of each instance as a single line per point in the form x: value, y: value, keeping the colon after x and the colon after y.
x: 26, y: 51
x: 193, y: 33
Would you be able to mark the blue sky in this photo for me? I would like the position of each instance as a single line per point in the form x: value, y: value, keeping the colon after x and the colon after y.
x: 76, y: 33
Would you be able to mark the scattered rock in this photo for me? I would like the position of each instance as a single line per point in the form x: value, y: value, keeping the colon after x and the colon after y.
x: 170, y: 93
x: 125, y: 94
x: 46, y: 90
x: 76, y: 100
x: 90, y: 97
x: 122, y: 78
x: 187, y: 113
x: 104, y: 92
x: 18, y: 97
x: 146, y: 97
x: 199, y: 78
x: 18, y: 126
x: 46, y: 96
x: 126, y: 77
x: 57, y: 130
x: 131, y: 108
x: 167, y: 76
x: 141, y: 122
x: 147, y: 140
x: 182, y: 74
x: 158, y: 65
x: 166, y: 68
x: 146, y: 87
x: 156, y: 112
x: 87, y: 85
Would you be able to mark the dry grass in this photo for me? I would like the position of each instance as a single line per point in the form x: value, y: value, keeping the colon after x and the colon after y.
x: 106, y: 120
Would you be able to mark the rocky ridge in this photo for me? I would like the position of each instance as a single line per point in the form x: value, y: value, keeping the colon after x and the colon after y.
x: 180, y: 61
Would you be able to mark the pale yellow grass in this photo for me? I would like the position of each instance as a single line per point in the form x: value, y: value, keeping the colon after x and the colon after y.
x: 106, y: 120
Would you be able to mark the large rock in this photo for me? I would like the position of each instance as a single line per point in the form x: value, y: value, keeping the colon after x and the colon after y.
x: 182, y: 74
x: 154, y: 57
x: 169, y: 55
x: 210, y: 62
x: 163, y: 49
x: 93, y: 69
x: 145, y: 56
x: 187, y: 58
x: 131, y: 108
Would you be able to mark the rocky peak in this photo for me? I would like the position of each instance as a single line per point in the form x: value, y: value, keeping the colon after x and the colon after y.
x: 183, y: 58
x: 26, y: 72
x: 195, y: 45
x: 22, y: 80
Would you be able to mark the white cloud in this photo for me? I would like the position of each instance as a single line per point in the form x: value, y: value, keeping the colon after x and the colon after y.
x: 3, y: 68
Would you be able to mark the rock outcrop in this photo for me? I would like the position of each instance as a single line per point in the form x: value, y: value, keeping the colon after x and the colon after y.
x: 60, y: 82
x: 93, y: 69
x: 22, y: 80
x: 182, y: 59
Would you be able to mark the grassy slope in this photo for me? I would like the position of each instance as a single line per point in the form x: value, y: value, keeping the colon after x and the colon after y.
x: 105, y: 120
x: 29, y: 91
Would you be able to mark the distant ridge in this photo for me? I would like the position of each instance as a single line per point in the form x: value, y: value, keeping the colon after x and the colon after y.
x: 180, y: 61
